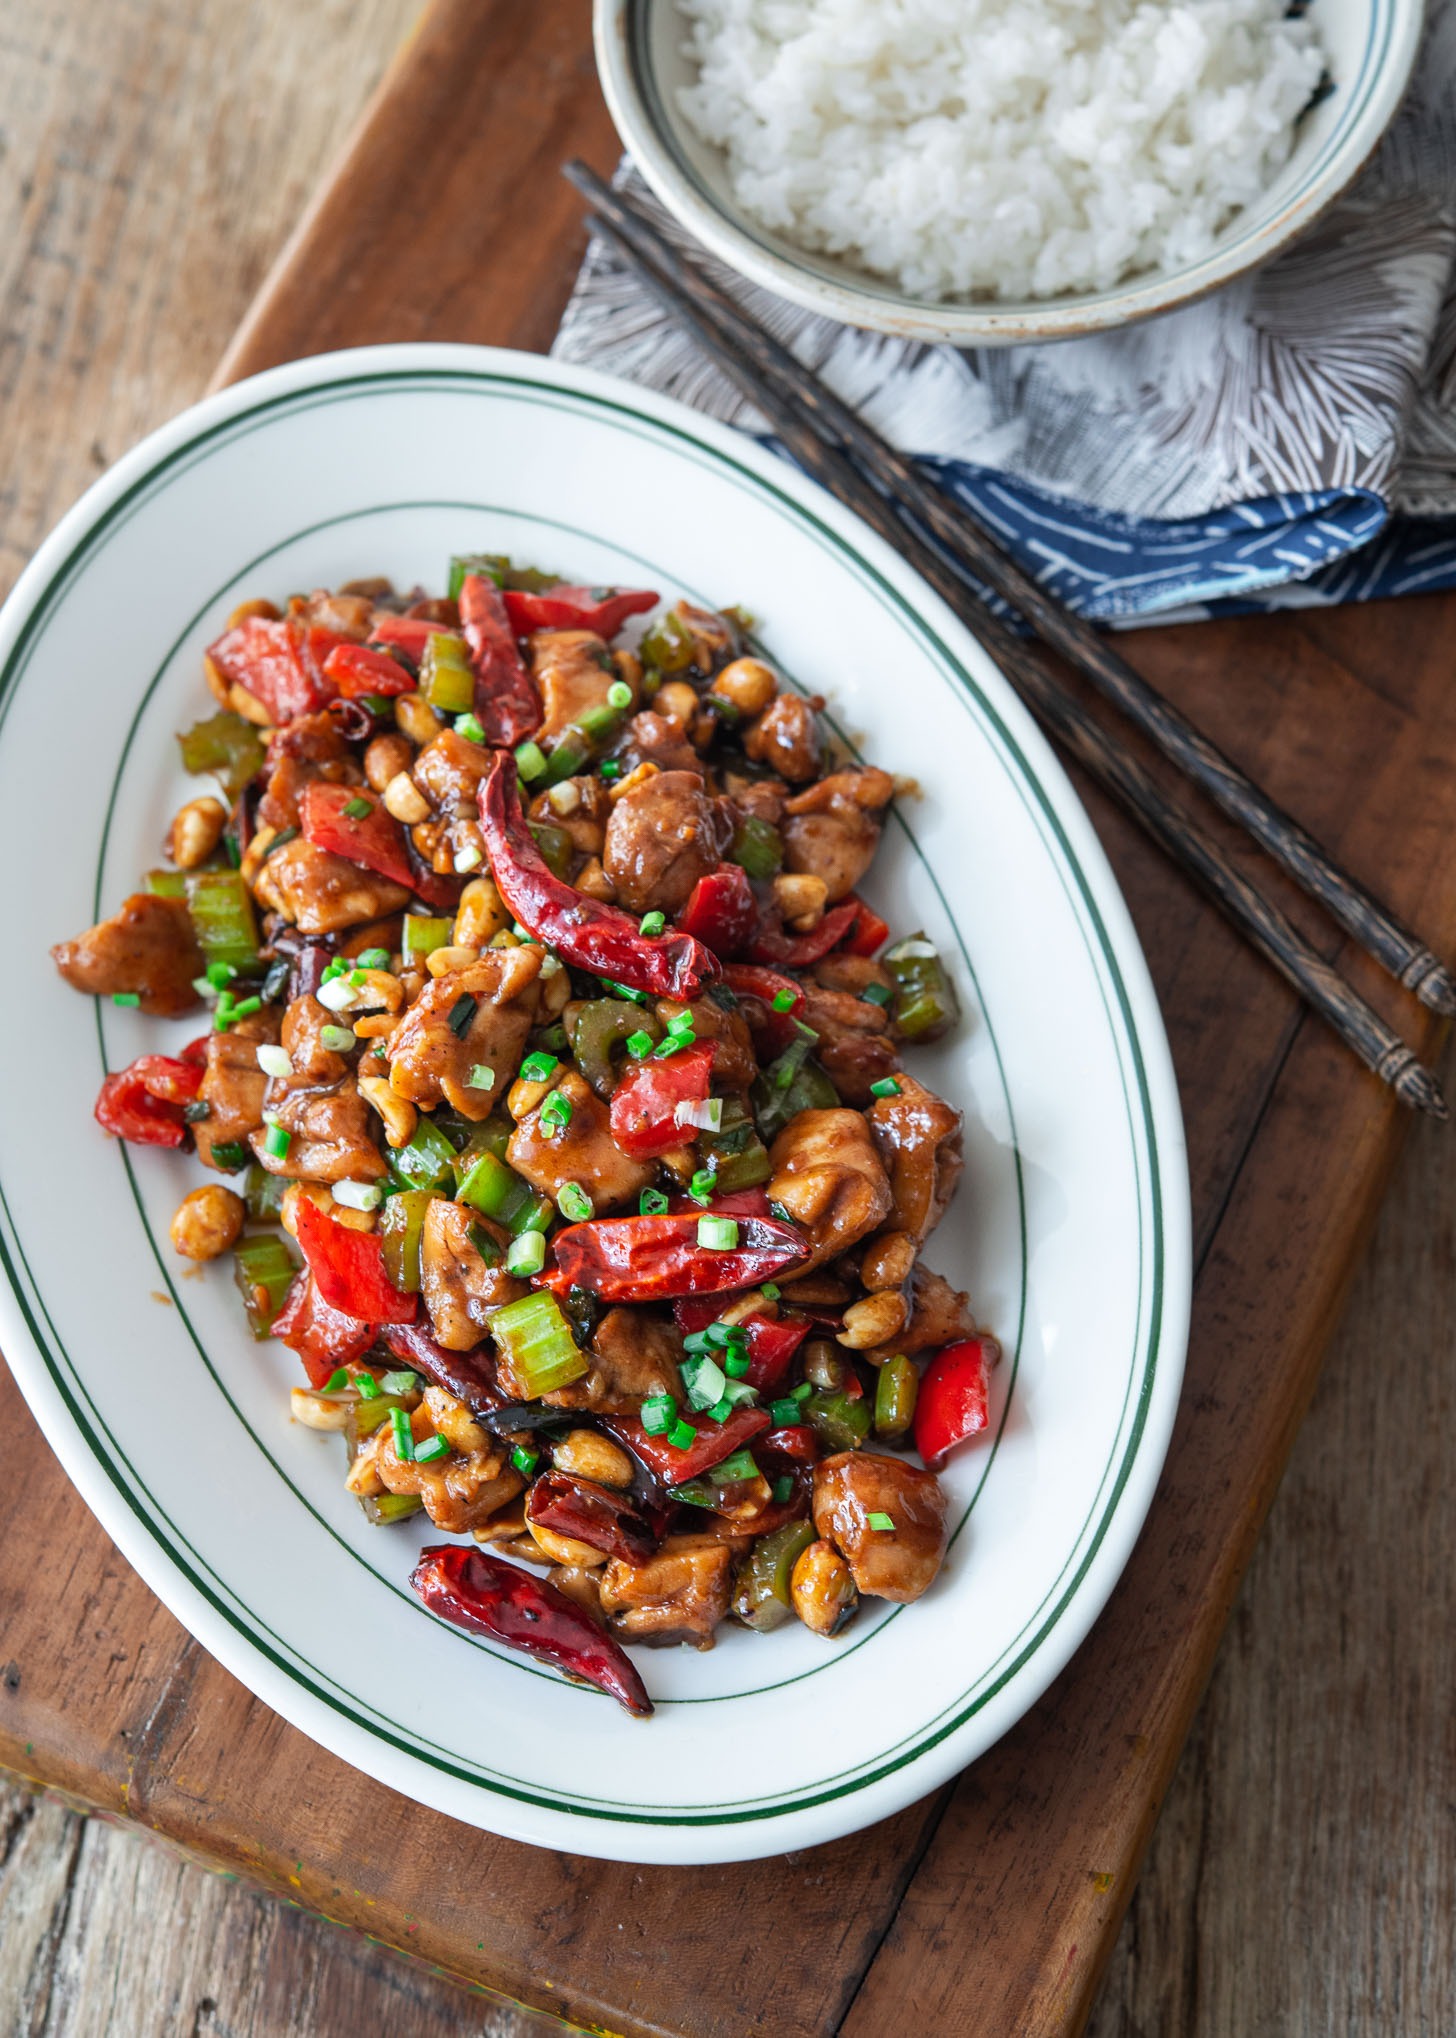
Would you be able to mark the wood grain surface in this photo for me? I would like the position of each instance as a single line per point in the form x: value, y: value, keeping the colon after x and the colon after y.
x: 1303, y: 1876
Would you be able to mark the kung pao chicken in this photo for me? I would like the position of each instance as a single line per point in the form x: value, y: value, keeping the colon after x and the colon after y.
x: 546, y: 1021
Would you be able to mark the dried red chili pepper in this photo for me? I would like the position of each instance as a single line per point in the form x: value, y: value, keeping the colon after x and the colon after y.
x: 146, y: 1102
x: 652, y: 1259
x: 713, y: 1442
x: 868, y: 934
x: 489, y: 1597
x: 795, y: 1440
x: 772, y: 1030
x: 375, y: 841
x: 358, y: 669
x: 348, y: 1268
x: 466, y: 1375
x: 772, y: 1340
x: 584, y: 932
x: 952, y: 1403
x: 797, y: 951
x: 721, y: 911
x: 281, y: 663
x: 590, y: 1514
x: 507, y: 705
x: 644, y: 1117
x: 603, y: 609
x: 325, y: 1338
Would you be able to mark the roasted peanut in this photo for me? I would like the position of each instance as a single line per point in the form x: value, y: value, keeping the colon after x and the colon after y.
x: 587, y: 1455
x: 638, y: 775
x: 582, y: 1585
x: 594, y: 881
x: 801, y: 899
x: 441, y: 961
x: 255, y: 852
x: 677, y: 700
x: 748, y: 683
x: 876, y: 1319
x: 385, y: 758
x: 195, y: 832
x: 822, y: 1589
x: 417, y: 718
x: 888, y: 1261
x: 565, y: 1549
x: 207, y: 1222
x: 362, y: 1478
x: 318, y: 1192
x: 269, y: 612
x: 403, y: 799
x: 318, y: 1411
x: 629, y: 668
x: 482, y: 912
x: 399, y: 1115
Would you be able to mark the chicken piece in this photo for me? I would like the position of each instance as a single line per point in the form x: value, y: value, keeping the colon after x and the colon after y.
x: 828, y: 1176
x: 319, y: 893
x: 854, y: 973
x: 855, y: 1048
x: 763, y: 798
x: 147, y: 949
x: 679, y: 1596
x: 233, y: 1085
x: 448, y: 772
x: 309, y: 747
x: 786, y: 737
x: 550, y: 1155
x: 734, y: 1064
x: 651, y: 738
x: 430, y: 1060
x: 715, y: 638
x: 461, y: 1284
x: 939, y: 1315
x: 634, y: 1353
x: 347, y: 615
x: 663, y: 836
x: 832, y: 829
x: 585, y: 821
x: 461, y: 1492
x: 320, y: 1106
x: 572, y: 670
x: 899, y: 1563
x: 919, y: 1139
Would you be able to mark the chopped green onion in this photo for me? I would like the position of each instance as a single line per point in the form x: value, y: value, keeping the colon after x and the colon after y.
x: 556, y: 1113
x: 676, y: 1042
x: 536, y: 1342
x: 784, y: 1001
x: 739, y: 1466
x: 640, y: 1045
x: 530, y: 760
x: 651, y: 1203
x: 404, y: 1443
x: 220, y: 975
x: 247, y: 1008
x: 657, y: 1414
x: 681, y: 1021
x: 770, y: 1291
x: 462, y: 1012
x: 783, y: 1487
x: 785, y: 1411
x: 682, y: 1436
x: 358, y: 1195
x: 377, y: 703
x: 729, y: 1334
x: 525, y: 1461
x: 468, y: 726
x: 274, y: 1061
x: 280, y: 841
x: 230, y: 1155
x: 526, y: 1253
x: 481, y: 1077
x: 701, y: 1187
x: 610, y: 769
x: 359, y: 810
x: 876, y: 994
x: 703, y: 1379
x: 126, y: 998
x: 338, y: 1039
x: 736, y: 1365
x: 624, y: 991
x: 885, y: 1087
x: 368, y: 1387
x: 373, y: 958
x: 619, y: 694
x: 538, y: 1068
x: 652, y: 923
x: 802, y: 1391
x: 433, y: 1448
x: 335, y: 967
x: 337, y: 1381
x: 718, y: 1234
x: 276, y: 1141
x: 879, y: 1521
x: 403, y: 1382
x: 721, y: 1410
x: 573, y: 1202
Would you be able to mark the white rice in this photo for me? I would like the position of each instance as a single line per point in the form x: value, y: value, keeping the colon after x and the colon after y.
x: 999, y: 148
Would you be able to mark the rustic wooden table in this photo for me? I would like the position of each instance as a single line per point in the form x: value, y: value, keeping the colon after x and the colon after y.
x: 1301, y: 1877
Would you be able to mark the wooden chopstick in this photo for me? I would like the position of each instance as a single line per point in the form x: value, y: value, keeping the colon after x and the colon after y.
x: 1262, y: 924
x: 979, y: 553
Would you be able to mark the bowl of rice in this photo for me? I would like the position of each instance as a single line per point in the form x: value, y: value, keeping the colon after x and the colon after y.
x: 986, y: 172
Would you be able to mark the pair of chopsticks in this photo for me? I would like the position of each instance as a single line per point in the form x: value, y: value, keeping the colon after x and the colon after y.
x: 947, y: 547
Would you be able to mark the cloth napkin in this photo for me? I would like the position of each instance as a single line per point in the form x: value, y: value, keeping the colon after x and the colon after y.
x: 1289, y: 440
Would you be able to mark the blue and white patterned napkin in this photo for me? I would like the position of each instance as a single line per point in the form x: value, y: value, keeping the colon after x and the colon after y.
x: 1289, y: 440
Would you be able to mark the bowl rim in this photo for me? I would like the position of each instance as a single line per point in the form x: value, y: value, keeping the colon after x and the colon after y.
x: 620, y: 30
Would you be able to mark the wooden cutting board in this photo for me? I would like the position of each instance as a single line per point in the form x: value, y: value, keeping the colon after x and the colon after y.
x: 991, y: 1908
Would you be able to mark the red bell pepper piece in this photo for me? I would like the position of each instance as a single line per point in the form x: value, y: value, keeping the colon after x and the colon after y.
x: 583, y: 931
x: 869, y: 933
x: 590, y: 1514
x: 145, y: 1102
x: 603, y: 609
x: 644, y: 1104
x: 772, y: 1031
x: 279, y: 662
x: 772, y: 1340
x: 715, y: 1441
x: 796, y: 1440
x: 358, y: 669
x: 375, y: 840
x: 487, y: 1596
x: 408, y: 634
x: 507, y: 705
x: 797, y: 951
x: 325, y: 1338
x: 651, y: 1259
x: 721, y: 911
x: 952, y: 1404
x: 348, y: 1268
